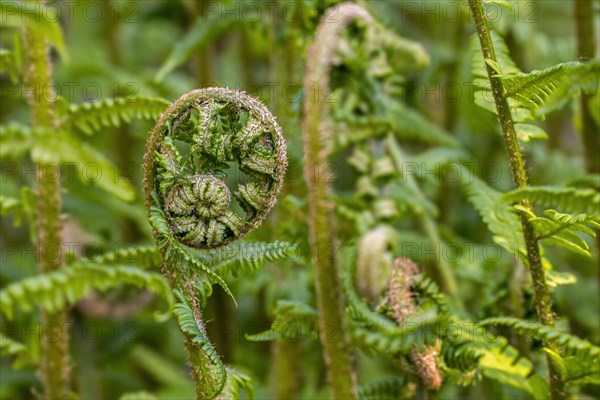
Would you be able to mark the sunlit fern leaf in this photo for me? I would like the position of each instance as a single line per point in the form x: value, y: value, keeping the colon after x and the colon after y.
x: 384, y: 389
x: 574, y: 370
x: 63, y: 148
x: 244, y: 257
x: 23, y: 354
x: 206, y: 29
x: 562, y: 230
x: 42, y: 19
x: 550, y: 88
x: 214, y: 373
x: 293, y: 319
x: 564, y: 198
x: 236, y: 382
x: 91, y: 117
x: 572, y: 345
x: 16, y: 140
x: 497, y: 359
x: 501, y: 219
x: 56, y: 290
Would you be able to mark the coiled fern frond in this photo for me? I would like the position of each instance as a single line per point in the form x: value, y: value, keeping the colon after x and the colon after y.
x: 197, y: 206
x: 219, y: 128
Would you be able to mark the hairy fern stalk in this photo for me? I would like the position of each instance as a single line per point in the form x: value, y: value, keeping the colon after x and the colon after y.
x: 190, y: 204
x: 54, y: 369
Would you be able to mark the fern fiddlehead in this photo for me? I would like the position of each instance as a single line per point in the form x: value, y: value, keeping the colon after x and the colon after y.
x: 187, y: 176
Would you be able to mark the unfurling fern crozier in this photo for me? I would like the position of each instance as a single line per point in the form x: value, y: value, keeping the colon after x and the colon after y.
x: 199, y: 139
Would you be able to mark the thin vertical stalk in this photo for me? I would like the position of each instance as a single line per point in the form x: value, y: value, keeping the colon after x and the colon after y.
x: 542, y: 299
x: 54, y: 365
x: 324, y: 244
x: 586, y: 50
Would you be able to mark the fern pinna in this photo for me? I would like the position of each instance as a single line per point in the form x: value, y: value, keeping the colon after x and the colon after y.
x: 190, y: 205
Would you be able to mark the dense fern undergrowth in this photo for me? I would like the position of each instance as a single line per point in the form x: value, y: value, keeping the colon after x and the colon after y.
x: 299, y: 199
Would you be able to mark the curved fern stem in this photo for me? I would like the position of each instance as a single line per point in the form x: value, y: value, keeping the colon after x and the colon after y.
x: 54, y: 363
x: 542, y: 299
x: 322, y: 236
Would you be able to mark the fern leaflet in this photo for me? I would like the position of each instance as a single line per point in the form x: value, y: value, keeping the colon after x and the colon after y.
x: 55, y: 290
x: 91, y: 117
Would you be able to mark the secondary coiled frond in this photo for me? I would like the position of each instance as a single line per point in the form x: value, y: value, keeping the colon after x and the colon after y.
x: 197, y: 141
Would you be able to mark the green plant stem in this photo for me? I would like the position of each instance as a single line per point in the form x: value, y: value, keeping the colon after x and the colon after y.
x: 586, y: 50
x: 542, y: 299
x: 444, y: 270
x: 330, y: 303
x: 54, y: 366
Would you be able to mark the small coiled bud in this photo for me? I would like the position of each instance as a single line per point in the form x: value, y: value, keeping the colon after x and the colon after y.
x: 195, y: 143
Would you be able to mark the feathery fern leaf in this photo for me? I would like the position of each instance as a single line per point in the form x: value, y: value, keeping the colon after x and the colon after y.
x: 562, y: 230
x: 56, y: 290
x: 567, y: 199
x: 571, y: 344
x: 91, y: 117
x: 243, y: 257
x: 546, y: 90
x: 145, y: 257
x: 215, y: 373
x: 385, y: 389
x: 293, y: 319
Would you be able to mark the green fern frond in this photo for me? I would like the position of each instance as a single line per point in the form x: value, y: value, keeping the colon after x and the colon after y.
x: 462, y: 357
x: 237, y: 381
x: 571, y: 344
x: 145, y: 257
x: 567, y: 199
x: 538, y: 89
x: 215, y: 374
x: 58, y: 289
x: 385, y: 389
x: 18, y: 15
x: 91, y: 165
x: 22, y: 353
x: 500, y: 218
x: 293, y: 319
x: 204, y: 31
x: 562, y: 230
x: 244, y: 258
x: 91, y: 117
x: 497, y: 359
